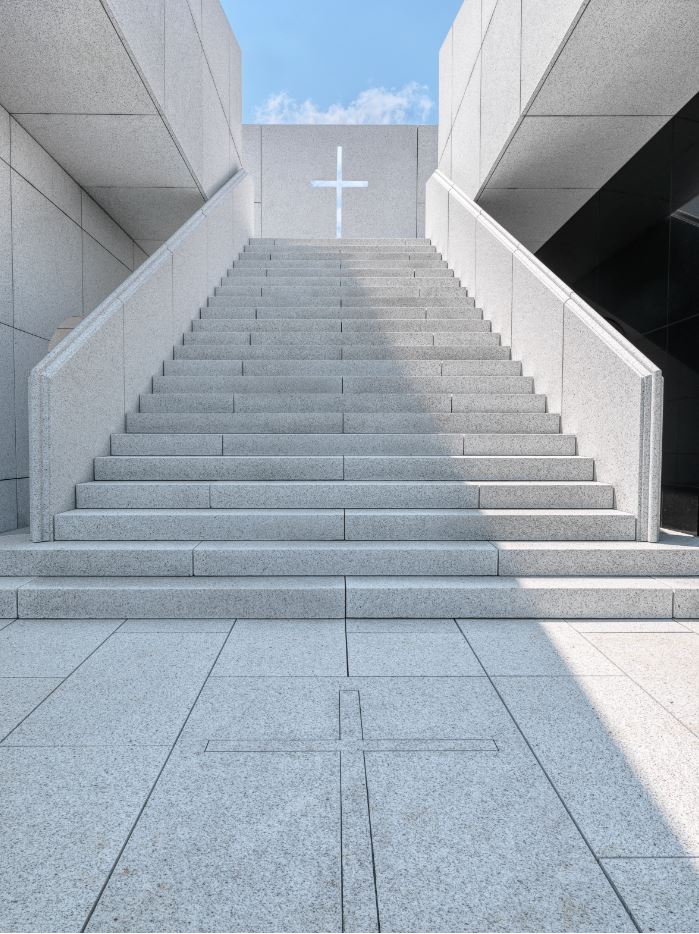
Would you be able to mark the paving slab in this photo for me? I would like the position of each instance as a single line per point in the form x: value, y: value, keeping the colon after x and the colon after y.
x: 533, y: 647
x: 243, y: 842
x: 136, y: 689
x: 425, y: 653
x: 262, y: 709
x: 262, y: 647
x: 65, y: 834
x: 629, y: 625
x: 664, y: 664
x: 662, y: 894
x: 176, y: 625
x: 19, y: 696
x: 401, y: 625
x: 50, y: 648
x: 624, y: 766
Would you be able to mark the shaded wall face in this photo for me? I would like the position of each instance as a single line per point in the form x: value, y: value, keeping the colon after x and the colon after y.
x: 394, y: 161
x: 633, y: 253
x: 60, y: 255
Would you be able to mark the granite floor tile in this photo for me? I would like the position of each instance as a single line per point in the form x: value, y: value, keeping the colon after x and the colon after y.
x: 533, y: 648
x: 401, y: 625
x: 19, y: 696
x: 263, y: 709
x: 50, y: 648
x: 410, y: 653
x: 233, y: 842
x: 692, y: 624
x: 624, y: 766
x: 65, y: 814
x: 262, y: 647
x: 135, y: 689
x: 170, y: 626
x: 662, y: 894
x: 629, y: 625
x: 665, y: 664
x: 480, y: 842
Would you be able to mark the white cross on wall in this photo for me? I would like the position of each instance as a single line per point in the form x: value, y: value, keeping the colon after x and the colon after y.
x: 339, y: 184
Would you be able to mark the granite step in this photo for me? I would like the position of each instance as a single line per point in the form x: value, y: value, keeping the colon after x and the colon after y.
x: 513, y: 468
x: 453, y: 385
x: 337, y: 324
x: 342, y: 494
x: 350, y: 422
x: 326, y: 338
x: 343, y: 524
x: 220, y: 309
x: 269, y: 443
x: 340, y: 402
x: 353, y: 351
x: 365, y: 597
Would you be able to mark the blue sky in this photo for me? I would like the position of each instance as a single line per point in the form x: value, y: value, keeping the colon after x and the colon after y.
x: 331, y: 61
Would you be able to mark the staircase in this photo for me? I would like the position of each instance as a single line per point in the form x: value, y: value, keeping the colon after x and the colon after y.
x: 342, y: 433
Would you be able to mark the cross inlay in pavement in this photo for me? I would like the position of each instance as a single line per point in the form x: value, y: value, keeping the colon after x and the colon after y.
x: 333, y: 775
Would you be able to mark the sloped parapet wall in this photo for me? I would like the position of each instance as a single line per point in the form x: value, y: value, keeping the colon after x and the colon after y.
x: 79, y: 393
x: 607, y: 392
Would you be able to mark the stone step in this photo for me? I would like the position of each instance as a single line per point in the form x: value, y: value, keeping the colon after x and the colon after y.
x: 352, y: 298
x: 343, y: 524
x: 331, y: 558
x: 354, y: 351
x: 336, y: 325
x: 343, y: 494
x: 673, y: 556
x: 220, y: 309
x: 344, y: 422
x: 339, y: 242
x: 367, y: 266
x: 370, y: 597
x: 487, y: 524
x: 339, y: 443
x: 343, y: 368
x: 509, y: 597
x: 192, y: 524
x: 448, y: 289
x: 327, y: 339
x: 304, y: 279
x: 337, y: 272
x: 182, y: 598
x: 95, y: 558
x: 350, y: 467
x: 211, y: 467
x: 454, y: 385
x: 339, y: 402
x: 482, y: 468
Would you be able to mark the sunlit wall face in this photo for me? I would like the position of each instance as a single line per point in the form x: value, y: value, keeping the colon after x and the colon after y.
x: 633, y: 253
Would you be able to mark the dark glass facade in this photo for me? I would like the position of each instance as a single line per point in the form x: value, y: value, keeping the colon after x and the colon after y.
x: 632, y: 252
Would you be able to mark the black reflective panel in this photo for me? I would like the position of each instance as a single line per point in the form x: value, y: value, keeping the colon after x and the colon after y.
x: 632, y: 252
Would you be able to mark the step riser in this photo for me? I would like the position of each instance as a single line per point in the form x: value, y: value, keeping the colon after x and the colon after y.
x: 359, y: 314
x: 289, y: 351
x: 499, y: 385
x: 345, y: 495
x: 375, y: 299
x: 334, y: 327
x: 387, y: 338
x: 332, y: 525
x: 339, y: 402
x: 343, y: 368
x: 349, y: 422
x: 214, y: 468
x: 324, y: 598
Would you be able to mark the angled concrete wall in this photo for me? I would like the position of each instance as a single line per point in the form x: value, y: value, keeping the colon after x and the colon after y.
x: 138, y: 101
x: 542, y: 101
x: 396, y: 161
x: 60, y: 255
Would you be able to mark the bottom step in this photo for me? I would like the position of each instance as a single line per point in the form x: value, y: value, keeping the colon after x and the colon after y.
x: 366, y: 597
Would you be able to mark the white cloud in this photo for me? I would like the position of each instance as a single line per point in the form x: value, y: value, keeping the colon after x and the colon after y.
x: 409, y: 104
